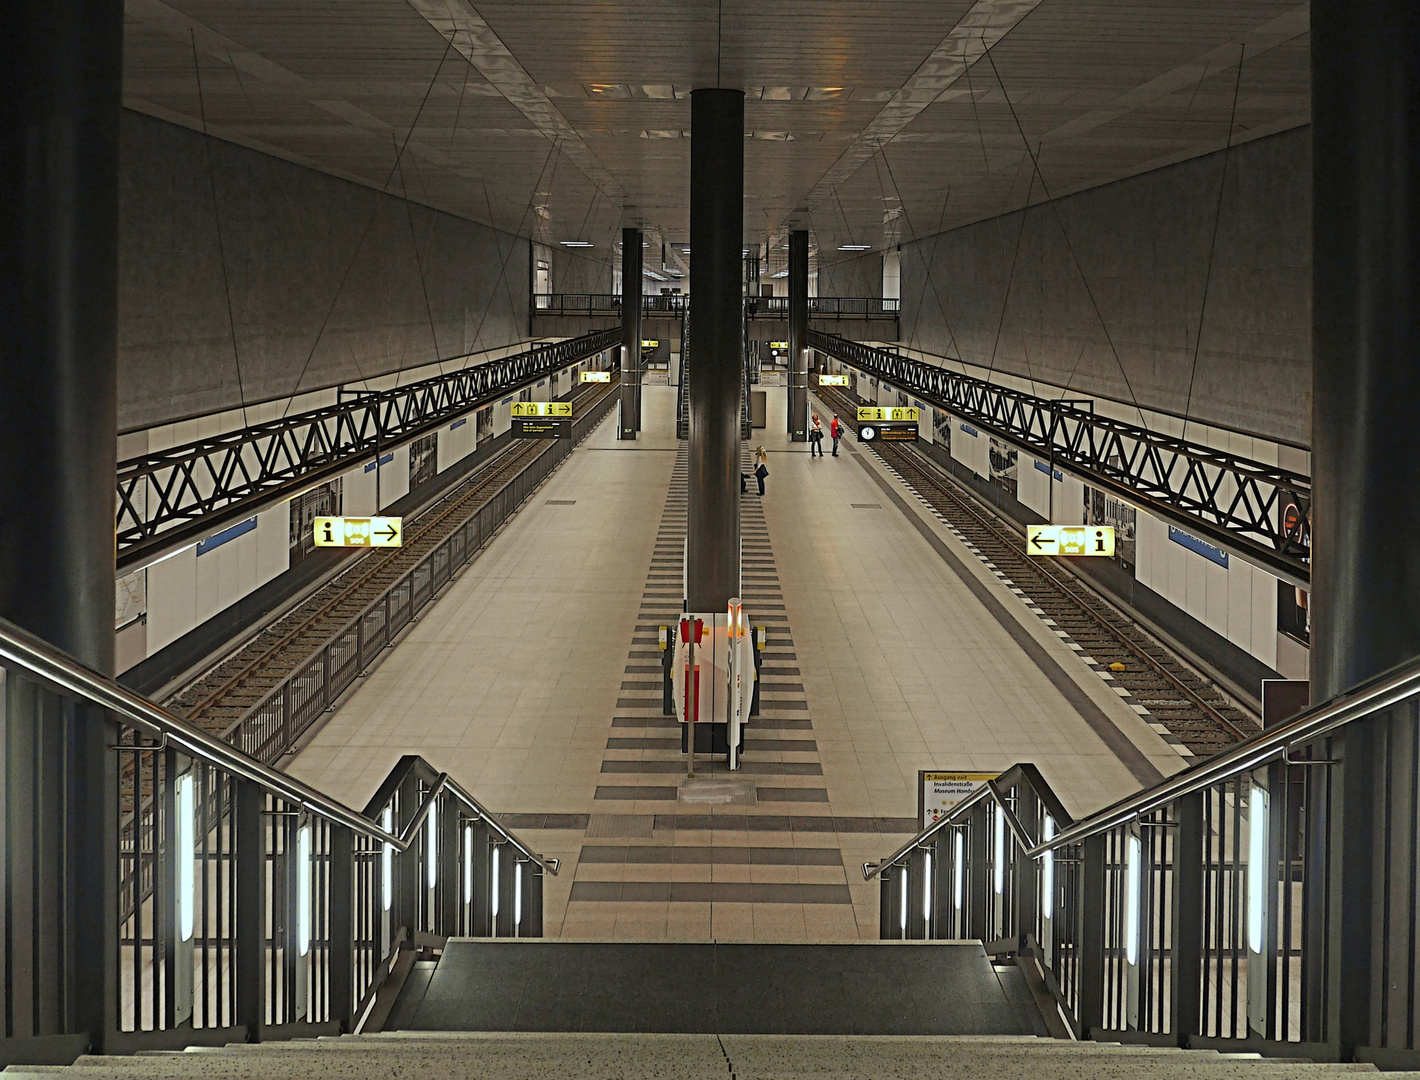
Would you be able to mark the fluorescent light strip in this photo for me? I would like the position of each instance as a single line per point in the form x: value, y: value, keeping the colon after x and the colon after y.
x: 1256, y: 867
x: 186, y: 854
x: 432, y: 858
x: 1047, y: 872
x: 958, y: 869
x: 999, y: 876
x: 1132, y: 871
x: 387, y: 861
x: 303, y: 890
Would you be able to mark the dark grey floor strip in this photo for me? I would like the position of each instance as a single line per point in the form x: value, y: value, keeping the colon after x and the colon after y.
x: 688, y: 855
x: 708, y: 892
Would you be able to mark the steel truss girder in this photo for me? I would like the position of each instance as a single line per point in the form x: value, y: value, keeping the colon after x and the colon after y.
x: 170, y: 498
x: 1232, y: 501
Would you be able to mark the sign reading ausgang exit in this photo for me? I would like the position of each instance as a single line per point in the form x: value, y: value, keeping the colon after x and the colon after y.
x: 1070, y: 540
x: 359, y: 532
x: 907, y: 414
x: 542, y: 408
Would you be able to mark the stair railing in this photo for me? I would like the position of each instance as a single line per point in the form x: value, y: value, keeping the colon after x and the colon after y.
x: 1192, y: 913
x: 168, y: 890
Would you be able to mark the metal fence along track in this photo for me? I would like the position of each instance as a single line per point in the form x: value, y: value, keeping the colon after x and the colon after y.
x: 1261, y: 512
x: 298, y: 679
x: 170, y: 498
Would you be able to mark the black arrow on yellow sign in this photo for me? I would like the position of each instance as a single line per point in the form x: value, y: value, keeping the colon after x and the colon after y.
x: 389, y: 532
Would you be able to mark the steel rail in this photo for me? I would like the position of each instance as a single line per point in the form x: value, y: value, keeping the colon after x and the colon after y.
x: 170, y: 499
x: 1235, y: 502
x: 56, y: 669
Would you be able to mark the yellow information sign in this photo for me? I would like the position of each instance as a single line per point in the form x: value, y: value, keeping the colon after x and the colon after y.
x: 778, y: 344
x: 596, y: 376
x: 650, y: 343
x: 359, y: 532
x: 1070, y: 540
x: 542, y: 408
x: 907, y: 414
x: 833, y: 380
x: 939, y: 792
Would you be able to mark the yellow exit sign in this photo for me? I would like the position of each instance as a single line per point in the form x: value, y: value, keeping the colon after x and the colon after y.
x: 596, y: 376
x: 359, y: 532
x: 1070, y: 540
x: 542, y: 408
x: 907, y: 414
x: 833, y: 380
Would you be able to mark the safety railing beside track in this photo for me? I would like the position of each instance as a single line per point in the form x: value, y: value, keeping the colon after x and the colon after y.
x: 275, y: 724
x: 170, y: 498
x: 167, y: 890
x: 1198, y: 912
x: 1257, y: 510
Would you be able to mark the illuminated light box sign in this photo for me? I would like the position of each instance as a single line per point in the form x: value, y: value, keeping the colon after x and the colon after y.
x: 906, y: 414
x: 1070, y: 540
x: 596, y: 376
x: 833, y: 380
x: 875, y: 432
x: 649, y: 343
x: 541, y: 408
x: 359, y: 532
x: 542, y: 427
x: 778, y: 344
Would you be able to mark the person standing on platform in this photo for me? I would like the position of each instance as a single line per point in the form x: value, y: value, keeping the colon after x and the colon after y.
x: 835, y: 429
x: 761, y: 467
x: 816, y: 437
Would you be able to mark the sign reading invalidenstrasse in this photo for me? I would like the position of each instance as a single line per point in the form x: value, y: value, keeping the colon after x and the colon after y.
x: 596, y: 376
x: 939, y: 792
x: 542, y: 408
x: 904, y: 415
x: 1070, y: 540
x: 359, y: 532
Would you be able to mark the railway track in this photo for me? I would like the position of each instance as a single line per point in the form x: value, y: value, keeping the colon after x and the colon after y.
x: 1194, y: 710
x: 219, y: 697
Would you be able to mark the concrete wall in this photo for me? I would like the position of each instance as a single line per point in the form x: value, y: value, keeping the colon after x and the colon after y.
x: 328, y: 281
x: 1103, y: 291
x: 862, y: 276
x: 573, y: 273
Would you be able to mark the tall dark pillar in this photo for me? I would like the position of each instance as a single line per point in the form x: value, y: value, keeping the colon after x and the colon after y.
x: 1365, y: 460
x: 61, y: 82
x: 631, y: 334
x: 717, y: 158
x: 798, y: 335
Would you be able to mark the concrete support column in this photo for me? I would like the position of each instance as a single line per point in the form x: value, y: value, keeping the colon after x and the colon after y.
x: 631, y: 334
x: 1365, y: 460
x: 61, y: 81
x: 798, y: 335
x: 717, y: 139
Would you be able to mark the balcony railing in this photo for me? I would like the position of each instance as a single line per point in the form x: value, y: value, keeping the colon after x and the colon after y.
x: 774, y: 308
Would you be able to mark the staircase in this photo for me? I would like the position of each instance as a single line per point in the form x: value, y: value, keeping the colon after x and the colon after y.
x: 690, y: 1057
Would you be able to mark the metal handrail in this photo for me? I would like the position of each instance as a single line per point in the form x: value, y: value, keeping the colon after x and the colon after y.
x: 446, y: 782
x: 1386, y: 689
x: 43, y: 661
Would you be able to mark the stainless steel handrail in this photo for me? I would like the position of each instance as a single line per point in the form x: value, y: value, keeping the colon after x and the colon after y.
x: 43, y: 661
x: 1389, y: 688
x: 446, y: 782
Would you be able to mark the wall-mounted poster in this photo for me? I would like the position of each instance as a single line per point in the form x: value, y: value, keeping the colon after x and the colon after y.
x: 1102, y: 508
x: 483, y: 421
x: 1004, y: 457
x: 942, y: 429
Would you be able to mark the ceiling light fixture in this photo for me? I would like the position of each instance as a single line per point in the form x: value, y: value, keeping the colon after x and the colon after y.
x: 576, y: 243
x: 855, y: 247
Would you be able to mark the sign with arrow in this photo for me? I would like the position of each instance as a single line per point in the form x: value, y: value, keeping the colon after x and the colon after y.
x: 1070, y: 540
x: 596, y: 376
x: 542, y: 408
x: 903, y: 414
x: 359, y: 532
